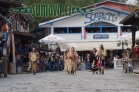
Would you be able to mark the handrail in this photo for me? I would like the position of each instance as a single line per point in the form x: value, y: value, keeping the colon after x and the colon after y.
x: 18, y: 27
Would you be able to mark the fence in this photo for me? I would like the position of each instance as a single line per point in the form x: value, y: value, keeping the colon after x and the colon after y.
x: 18, y: 27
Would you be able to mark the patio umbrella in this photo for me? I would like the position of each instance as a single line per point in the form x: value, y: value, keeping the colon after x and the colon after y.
x: 129, y: 36
x: 51, y: 38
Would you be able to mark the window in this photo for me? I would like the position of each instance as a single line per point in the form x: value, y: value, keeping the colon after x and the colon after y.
x: 109, y: 29
x: 75, y: 30
x: 126, y: 29
x: 60, y: 30
x: 106, y: 24
x: 93, y: 30
x: 94, y: 24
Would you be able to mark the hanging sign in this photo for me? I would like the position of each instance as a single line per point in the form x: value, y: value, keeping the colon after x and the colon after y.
x: 50, y: 10
x: 101, y: 36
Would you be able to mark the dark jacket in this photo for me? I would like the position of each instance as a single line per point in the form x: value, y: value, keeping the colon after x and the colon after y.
x: 92, y: 57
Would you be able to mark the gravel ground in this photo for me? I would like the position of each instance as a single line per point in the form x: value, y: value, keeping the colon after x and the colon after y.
x: 83, y: 81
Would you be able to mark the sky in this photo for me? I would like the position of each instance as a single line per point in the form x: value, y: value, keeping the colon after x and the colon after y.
x: 131, y: 1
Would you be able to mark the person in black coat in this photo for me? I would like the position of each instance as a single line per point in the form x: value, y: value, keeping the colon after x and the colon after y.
x: 93, y: 58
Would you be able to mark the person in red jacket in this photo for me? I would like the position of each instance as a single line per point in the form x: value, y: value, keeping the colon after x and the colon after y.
x: 136, y: 50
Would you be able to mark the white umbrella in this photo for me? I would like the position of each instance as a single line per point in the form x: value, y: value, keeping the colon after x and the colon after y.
x: 129, y: 36
x: 51, y: 38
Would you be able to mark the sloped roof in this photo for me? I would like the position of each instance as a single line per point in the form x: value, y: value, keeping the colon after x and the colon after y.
x: 96, y: 8
x: 131, y: 18
x: 106, y: 2
x: 7, y: 3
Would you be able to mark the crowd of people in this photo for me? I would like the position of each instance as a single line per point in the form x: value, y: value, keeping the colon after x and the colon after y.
x: 127, y: 61
x: 13, y: 21
x: 70, y: 61
x: 127, y: 58
x: 95, y: 61
x: 18, y: 18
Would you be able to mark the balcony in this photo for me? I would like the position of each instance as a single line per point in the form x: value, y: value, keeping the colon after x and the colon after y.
x: 18, y: 27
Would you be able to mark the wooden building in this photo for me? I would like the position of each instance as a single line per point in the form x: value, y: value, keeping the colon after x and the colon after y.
x: 19, y: 33
x: 133, y: 20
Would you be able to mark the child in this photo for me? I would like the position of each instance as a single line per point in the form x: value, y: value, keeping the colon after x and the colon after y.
x: 130, y: 67
x: 83, y: 66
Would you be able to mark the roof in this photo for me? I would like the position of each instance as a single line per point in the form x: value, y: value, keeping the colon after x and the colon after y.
x: 96, y: 8
x: 26, y: 15
x: 14, y: 4
x: 131, y: 18
x: 37, y: 29
x: 105, y: 2
x: 7, y: 3
x: 23, y: 35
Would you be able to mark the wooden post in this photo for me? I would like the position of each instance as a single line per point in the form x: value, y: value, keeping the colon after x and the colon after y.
x: 133, y: 41
x: 5, y: 66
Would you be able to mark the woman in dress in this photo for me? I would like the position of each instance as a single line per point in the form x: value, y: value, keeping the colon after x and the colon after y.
x: 66, y: 61
x: 72, y: 55
x: 101, y: 54
x: 34, y: 55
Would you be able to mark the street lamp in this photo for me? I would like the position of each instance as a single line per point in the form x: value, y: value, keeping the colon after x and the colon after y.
x: 53, y: 46
x: 122, y: 42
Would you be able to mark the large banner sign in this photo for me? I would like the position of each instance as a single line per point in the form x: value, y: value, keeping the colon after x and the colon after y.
x: 50, y: 10
x: 101, y: 16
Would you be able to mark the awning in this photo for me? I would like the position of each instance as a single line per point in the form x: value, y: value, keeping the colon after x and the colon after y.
x: 23, y: 35
x: 28, y: 17
x: 131, y: 18
x: 37, y: 29
x: 89, y: 45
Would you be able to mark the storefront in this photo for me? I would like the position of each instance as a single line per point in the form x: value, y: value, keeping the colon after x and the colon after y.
x: 88, y: 30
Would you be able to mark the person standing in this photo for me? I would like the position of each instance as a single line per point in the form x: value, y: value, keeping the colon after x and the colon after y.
x: 6, y: 29
x: 41, y: 64
x: 66, y: 61
x: 92, y: 58
x: 101, y: 54
x: 72, y: 55
x: 34, y: 55
x: 87, y: 62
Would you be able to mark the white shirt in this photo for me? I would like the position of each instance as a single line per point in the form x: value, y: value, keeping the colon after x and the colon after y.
x: 7, y: 27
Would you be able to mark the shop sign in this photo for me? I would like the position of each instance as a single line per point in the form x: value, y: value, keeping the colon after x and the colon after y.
x: 50, y: 10
x: 101, y: 36
x: 100, y: 16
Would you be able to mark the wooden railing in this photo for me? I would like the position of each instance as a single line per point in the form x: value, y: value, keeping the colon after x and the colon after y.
x: 18, y: 27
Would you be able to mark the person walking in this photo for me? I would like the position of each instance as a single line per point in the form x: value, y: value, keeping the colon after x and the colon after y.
x: 92, y: 59
x: 66, y: 61
x: 101, y: 54
x: 87, y: 62
x: 72, y: 55
x: 33, y: 56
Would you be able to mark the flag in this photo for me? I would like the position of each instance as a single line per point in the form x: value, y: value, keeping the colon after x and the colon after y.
x: 121, y: 32
x: 84, y: 34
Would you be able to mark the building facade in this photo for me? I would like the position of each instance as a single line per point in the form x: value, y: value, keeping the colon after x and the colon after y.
x: 87, y: 30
